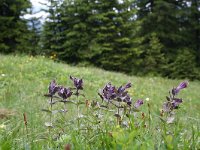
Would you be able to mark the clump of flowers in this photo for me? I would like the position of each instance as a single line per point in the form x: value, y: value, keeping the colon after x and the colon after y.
x: 120, y: 99
x: 173, y: 101
x: 114, y: 99
x: 110, y: 94
x: 59, y: 93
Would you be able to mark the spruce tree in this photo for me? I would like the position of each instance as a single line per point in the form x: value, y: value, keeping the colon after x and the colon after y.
x: 97, y: 32
x: 160, y: 17
x: 194, y: 28
x: 74, y: 16
x: 169, y: 20
x: 34, y: 35
x: 112, y: 28
x: 154, y: 58
x: 50, y: 36
x: 13, y: 27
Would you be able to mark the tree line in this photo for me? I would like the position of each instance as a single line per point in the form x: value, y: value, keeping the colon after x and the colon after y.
x: 139, y: 37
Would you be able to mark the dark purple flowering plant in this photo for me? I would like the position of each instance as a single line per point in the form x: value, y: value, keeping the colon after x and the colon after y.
x: 53, y: 88
x: 119, y: 98
x: 181, y: 86
x: 114, y: 100
x: 78, y: 83
x: 59, y: 93
x: 114, y: 97
x: 173, y: 102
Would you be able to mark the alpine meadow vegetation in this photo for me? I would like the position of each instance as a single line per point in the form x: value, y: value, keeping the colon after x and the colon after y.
x: 99, y: 74
x: 64, y: 107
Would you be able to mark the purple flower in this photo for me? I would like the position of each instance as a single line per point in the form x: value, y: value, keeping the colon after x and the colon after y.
x: 128, y: 100
x: 173, y: 102
x: 53, y: 88
x: 108, y: 92
x: 64, y: 92
x: 122, y: 94
x: 176, y: 102
x: 167, y: 107
x: 138, y: 103
x: 125, y: 97
x: 181, y: 86
x: 123, y: 88
x: 170, y: 105
x: 128, y: 85
x: 78, y: 83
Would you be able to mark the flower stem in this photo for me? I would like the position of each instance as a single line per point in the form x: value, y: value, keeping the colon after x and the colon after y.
x: 65, y: 107
x: 149, y: 112
x: 78, y: 115
x: 118, y: 117
x: 51, y: 105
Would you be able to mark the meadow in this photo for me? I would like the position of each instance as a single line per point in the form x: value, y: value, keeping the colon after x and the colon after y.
x: 25, y: 79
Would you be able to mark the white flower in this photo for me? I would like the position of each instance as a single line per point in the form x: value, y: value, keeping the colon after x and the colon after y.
x: 2, y: 126
x: 147, y: 99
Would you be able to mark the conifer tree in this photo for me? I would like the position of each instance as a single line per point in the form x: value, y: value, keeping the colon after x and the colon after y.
x: 34, y: 34
x: 194, y: 28
x: 50, y: 36
x: 12, y: 25
x: 74, y: 15
x: 97, y: 32
x: 112, y: 34
x: 170, y: 21
x: 154, y: 58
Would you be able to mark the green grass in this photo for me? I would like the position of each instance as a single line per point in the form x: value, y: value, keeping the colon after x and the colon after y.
x: 24, y: 80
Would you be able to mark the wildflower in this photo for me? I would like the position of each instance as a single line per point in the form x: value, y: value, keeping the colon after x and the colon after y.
x: 2, y: 126
x: 128, y: 85
x: 147, y: 99
x: 170, y: 119
x: 123, y: 88
x: 64, y: 92
x: 173, y: 102
x: 167, y: 107
x: 176, y: 102
x: 78, y: 83
x: 138, y: 103
x: 3, y: 75
x: 108, y: 93
x: 128, y: 100
x: 48, y: 124
x: 181, y: 86
x: 53, y: 88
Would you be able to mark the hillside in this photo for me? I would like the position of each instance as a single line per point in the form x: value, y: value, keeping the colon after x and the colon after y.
x: 24, y: 80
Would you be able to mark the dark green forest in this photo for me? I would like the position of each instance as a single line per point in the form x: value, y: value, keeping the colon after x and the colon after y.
x: 136, y: 37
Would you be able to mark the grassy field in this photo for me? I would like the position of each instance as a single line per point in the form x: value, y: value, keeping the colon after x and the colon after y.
x: 24, y: 80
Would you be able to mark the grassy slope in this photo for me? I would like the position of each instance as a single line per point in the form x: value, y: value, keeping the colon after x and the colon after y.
x: 24, y: 80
